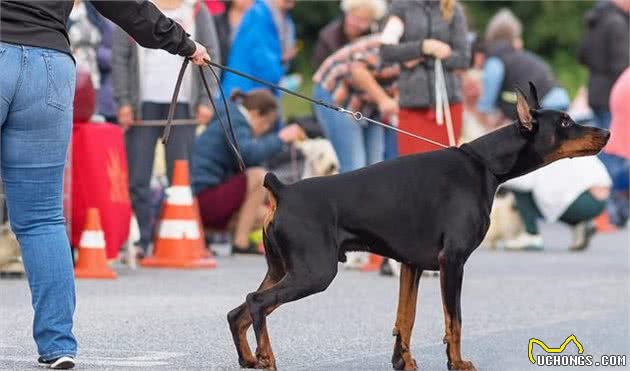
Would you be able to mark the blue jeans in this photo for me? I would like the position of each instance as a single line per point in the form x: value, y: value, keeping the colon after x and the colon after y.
x: 140, y: 142
x: 36, y: 93
x: 356, y: 145
x: 602, y: 118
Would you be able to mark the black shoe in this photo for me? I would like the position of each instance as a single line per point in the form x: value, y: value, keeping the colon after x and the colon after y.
x: 386, y: 268
x: 251, y: 249
x: 61, y: 363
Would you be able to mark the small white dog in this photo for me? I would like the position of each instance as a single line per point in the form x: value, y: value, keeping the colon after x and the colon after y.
x: 505, y: 222
x: 320, y: 158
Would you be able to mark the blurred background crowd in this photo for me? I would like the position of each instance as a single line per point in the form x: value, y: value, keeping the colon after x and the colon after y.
x: 442, y: 69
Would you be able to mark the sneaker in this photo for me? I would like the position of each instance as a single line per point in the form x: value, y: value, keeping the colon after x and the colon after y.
x: 250, y: 249
x: 61, y: 363
x: 582, y: 234
x: 525, y: 241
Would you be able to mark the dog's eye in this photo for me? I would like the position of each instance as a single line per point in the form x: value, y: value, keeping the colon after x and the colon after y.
x: 565, y: 123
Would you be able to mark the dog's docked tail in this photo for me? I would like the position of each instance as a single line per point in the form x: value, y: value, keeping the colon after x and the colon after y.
x: 274, y: 185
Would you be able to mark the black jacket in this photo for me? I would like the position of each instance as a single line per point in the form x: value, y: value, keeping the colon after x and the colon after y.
x: 521, y: 66
x: 605, y: 50
x: 43, y: 24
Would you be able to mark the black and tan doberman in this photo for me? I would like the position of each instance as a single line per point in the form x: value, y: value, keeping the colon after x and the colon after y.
x: 429, y: 211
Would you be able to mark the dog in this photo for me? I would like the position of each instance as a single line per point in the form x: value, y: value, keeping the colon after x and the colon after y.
x: 320, y: 158
x: 429, y: 211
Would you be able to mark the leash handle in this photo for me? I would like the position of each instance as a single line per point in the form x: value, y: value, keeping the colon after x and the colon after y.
x: 171, y: 109
x: 443, y: 106
x: 229, y: 136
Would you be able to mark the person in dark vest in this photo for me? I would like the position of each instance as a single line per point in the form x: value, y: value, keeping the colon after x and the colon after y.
x: 605, y: 51
x: 507, y: 66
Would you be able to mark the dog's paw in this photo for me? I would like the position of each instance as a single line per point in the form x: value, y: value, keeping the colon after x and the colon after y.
x: 398, y: 363
x: 461, y: 366
x: 248, y: 363
x: 265, y: 362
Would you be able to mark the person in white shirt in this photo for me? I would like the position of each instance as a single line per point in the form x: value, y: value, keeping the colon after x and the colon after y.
x: 573, y: 191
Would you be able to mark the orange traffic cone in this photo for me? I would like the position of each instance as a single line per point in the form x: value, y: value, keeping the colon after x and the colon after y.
x: 373, y: 264
x: 92, y: 262
x: 603, y: 224
x: 180, y: 241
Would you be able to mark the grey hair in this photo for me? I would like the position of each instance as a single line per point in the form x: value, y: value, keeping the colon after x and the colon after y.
x: 504, y: 26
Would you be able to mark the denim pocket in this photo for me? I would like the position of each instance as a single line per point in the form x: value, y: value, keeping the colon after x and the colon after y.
x: 61, y: 79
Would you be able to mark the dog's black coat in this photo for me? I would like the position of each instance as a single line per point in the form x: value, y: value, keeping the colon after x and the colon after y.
x: 429, y: 211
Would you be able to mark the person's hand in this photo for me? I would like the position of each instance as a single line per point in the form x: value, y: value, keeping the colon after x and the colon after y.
x: 200, y: 56
x: 388, y: 107
x: 292, y: 133
x: 125, y: 116
x: 436, y: 48
x: 203, y: 114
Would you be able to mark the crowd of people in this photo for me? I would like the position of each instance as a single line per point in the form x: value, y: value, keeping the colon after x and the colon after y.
x: 379, y: 58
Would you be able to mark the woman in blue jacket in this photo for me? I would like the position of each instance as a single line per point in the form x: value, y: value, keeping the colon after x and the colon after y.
x: 226, y: 195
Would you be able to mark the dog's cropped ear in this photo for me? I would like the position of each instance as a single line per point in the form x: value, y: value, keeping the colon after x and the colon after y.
x: 534, y: 94
x: 524, y: 113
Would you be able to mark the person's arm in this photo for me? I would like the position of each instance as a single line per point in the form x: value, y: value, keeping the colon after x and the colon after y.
x: 363, y: 79
x: 147, y: 25
x: 121, y: 56
x: 320, y: 53
x: 460, y: 48
x: 394, y: 51
x: 121, y: 78
x: 255, y: 151
x: 492, y: 80
x: 619, y: 39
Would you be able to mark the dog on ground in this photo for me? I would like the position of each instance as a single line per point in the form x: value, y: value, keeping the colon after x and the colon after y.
x: 429, y: 211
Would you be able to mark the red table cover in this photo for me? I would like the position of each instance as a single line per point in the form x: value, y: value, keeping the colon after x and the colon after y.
x: 99, y: 179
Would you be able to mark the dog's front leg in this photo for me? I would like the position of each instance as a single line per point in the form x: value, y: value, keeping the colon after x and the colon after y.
x: 451, y: 276
x: 405, y: 317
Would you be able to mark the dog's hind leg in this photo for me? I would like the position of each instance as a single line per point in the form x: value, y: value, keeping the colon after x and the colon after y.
x: 405, y: 317
x: 240, y: 319
x: 451, y: 276
x: 295, y: 285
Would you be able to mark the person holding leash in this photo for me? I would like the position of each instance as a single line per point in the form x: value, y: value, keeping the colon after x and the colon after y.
x: 36, y: 94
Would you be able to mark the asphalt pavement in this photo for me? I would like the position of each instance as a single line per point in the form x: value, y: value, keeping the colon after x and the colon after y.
x: 151, y: 319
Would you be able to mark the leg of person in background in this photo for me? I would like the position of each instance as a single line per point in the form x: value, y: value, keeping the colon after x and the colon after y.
x: 530, y: 238
x: 249, y: 211
x: 579, y: 216
x: 618, y: 203
x: 602, y: 118
x: 180, y: 140
x: 374, y: 142
x: 344, y: 133
x: 140, y: 144
x: 36, y: 92
x: 391, y: 145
